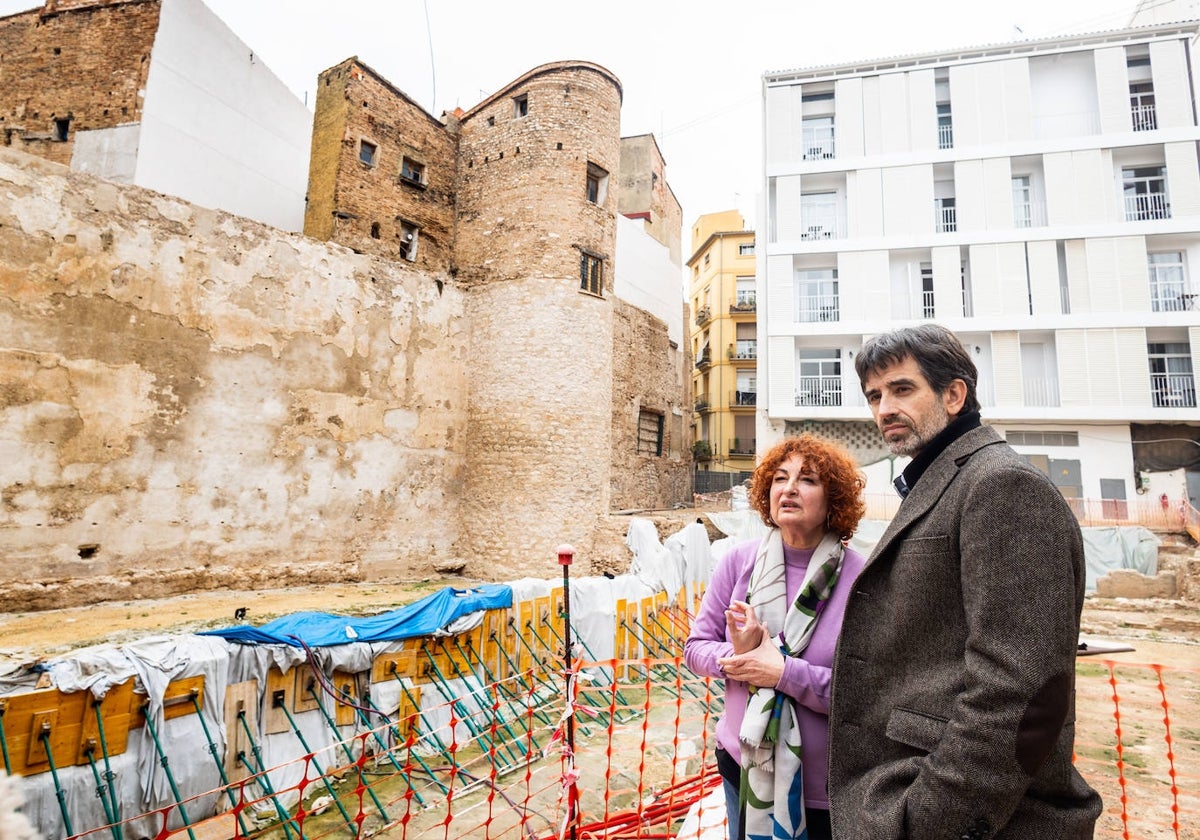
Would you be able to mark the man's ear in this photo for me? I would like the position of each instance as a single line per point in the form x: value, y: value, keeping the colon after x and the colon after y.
x: 955, y: 397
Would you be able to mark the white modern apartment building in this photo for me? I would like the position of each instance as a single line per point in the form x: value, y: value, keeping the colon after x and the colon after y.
x: 1041, y: 199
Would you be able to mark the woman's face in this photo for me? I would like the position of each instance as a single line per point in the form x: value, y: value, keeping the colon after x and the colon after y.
x: 798, y: 504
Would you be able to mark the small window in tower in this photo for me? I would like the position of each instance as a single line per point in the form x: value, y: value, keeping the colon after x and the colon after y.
x: 62, y: 129
x: 491, y: 121
x: 374, y: 230
x: 521, y: 105
x: 367, y: 152
x: 408, y: 241
x: 591, y: 273
x: 597, y: 184
x: 650, y: 433
x: 412, y: 171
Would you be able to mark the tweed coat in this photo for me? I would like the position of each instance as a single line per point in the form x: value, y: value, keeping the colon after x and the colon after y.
x: 952, y: 713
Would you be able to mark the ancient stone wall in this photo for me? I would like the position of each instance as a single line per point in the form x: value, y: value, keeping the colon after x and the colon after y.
x: 191, y: 400
x: 647, y: 374
x: 88, y: 69
x: 374, y: 206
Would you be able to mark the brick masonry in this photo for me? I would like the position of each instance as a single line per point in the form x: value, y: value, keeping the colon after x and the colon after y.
x: 88, y: 67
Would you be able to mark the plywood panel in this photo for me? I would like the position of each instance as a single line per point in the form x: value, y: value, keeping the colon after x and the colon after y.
x: 241, y: 701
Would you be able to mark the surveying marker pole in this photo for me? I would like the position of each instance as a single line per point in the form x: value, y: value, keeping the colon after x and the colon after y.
x: 565, y: 555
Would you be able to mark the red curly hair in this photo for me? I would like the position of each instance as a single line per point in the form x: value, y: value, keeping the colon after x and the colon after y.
x: 835, y: 468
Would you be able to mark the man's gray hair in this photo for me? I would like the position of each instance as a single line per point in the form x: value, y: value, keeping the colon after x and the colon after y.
x: 937, y: 351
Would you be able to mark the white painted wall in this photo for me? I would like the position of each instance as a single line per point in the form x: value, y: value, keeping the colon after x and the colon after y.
x: 647, y: 278
x: 218, y: 127
x: 109, y: 153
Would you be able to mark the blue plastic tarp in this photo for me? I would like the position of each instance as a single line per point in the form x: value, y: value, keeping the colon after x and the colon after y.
x: 422, y: 618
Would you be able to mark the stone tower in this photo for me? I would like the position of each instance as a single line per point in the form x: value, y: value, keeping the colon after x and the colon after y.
x: 535, y: 243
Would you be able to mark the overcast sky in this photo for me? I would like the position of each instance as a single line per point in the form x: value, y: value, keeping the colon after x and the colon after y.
x: 691, y: 69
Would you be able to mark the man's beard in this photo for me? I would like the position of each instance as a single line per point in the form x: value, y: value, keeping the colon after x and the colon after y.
x: 920, y: 436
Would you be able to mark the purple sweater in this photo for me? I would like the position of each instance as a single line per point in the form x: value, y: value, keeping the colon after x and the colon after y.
x: 806, y: 677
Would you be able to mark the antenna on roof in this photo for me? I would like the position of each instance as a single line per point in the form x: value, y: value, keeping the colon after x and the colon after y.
x: 432, y: 68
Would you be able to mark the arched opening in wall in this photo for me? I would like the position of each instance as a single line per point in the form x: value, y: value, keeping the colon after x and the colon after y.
x: 374, y: 230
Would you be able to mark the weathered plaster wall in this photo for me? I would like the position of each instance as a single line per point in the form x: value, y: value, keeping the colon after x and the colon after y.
x: 191, y: 400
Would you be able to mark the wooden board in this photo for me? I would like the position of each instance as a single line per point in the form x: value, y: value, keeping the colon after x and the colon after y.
x: 240, y: 698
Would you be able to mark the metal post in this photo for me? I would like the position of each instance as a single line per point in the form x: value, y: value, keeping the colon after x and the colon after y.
x: 565, y: 555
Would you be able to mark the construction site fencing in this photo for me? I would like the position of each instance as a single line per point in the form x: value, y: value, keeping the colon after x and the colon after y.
x: 639, y: 765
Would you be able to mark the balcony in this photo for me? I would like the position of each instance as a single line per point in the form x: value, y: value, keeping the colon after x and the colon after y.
x: 1144, y: 117
x: 818, y: 308
x: 746, y: 350
x: 945, y: 220
x: 925, y: 304
x: 705, y: 360
x: 945, y: 135
x: 819, y: 232
x: 701, y: 404
x: 746, y: 302
x: 742, y: 446
x: 1173, y: 390
x: 1040, y: 392
x: 817, y: 143
x: 1029, y: 214
x: 1146, y: 207
x: 1171, y: 297
x: 703, y: 316
x: 743, y: 399
x: 819, y: 391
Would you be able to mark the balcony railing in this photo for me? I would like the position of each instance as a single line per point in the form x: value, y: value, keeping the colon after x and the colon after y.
x: 1041, y: 392
x: 744, y: 399
x: 1146, y: 206
x: 1029, y: 214
x: 827, y: 229
x: 746, y: 302
x: 1173, y: 390
x: 745, y: 350
x: 703, y: 316
x: 1171, y: 297
x: 944, y: 218
x: 1144, y: 118
x: 741, y: 446
x: 701, y: 404
x: 819, y: 390
x: 945, y: 136
x: 818, y: 143
x: 926, y: 305
x: 705, y: 360
x: 816, y: 308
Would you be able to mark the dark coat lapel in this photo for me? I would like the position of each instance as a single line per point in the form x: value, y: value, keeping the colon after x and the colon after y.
x: 933, y: 484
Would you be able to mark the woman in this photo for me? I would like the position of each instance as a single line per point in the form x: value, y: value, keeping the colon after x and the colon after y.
x: 768, y: 626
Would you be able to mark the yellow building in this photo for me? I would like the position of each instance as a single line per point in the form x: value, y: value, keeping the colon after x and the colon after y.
x: 724, y: 338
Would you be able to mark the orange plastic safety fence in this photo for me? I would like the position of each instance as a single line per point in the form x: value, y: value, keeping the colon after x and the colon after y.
x: 492, y: 764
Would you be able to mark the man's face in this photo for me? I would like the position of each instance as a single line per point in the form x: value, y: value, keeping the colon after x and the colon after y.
x: 908, y: 412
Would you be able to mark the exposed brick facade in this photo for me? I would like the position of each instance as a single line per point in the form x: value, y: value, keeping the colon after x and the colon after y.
x: 87, y: 68
x: 408, y: 184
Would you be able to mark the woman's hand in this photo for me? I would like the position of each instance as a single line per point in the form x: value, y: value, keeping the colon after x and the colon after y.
x: 742, y: 627
x: 761, y: 667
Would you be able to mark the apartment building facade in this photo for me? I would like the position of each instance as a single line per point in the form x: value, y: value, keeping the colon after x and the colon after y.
x: 724, y: 336
x: 1041, y: 199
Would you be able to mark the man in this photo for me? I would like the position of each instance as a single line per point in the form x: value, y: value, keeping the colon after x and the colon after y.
x: 952, y: 710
